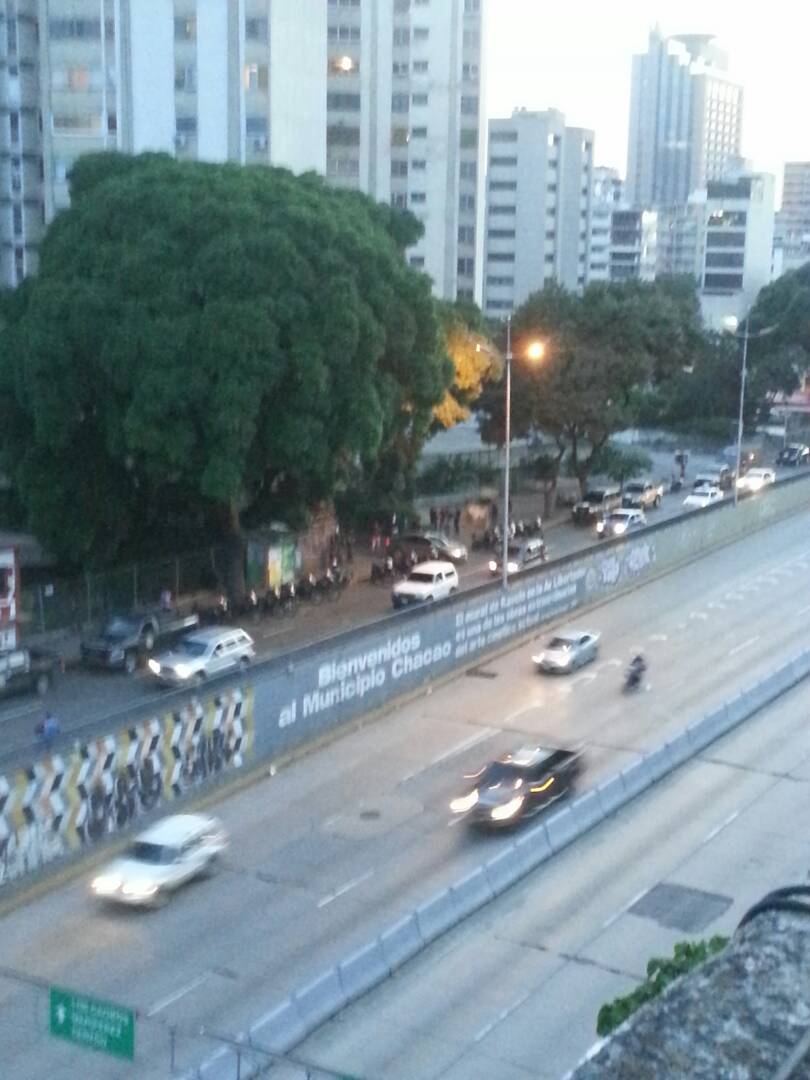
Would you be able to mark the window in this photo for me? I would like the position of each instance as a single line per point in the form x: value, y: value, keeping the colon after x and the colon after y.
x: 501, y: 256
x: 420, y: 99
x: 402, y: 35
x: 502, y: 210
x: 17, y: 219
x: 503, y: 136
x: 342, y: 135
x: 495, y: 161
x: 417, y: 260
x: 503, y: 185
x: 723, y: 282
x: 78, y: 123
x: 468, y: 139
x: 551, y: 189
x: 256, y: 29
x: 726, y: 240
x: 343, y: 65
x: 399, y: 200
x: 501, y: 234
x: 65, y: 29
x: 343, y: 33
x: 400, y: 103
x: 399, y: 168
x: 550, y: 234
x: 470, y: 72
x: 421, y: 33
x: 400, y: 69
x: 256, y: 77
x: 472, y: 7
x: 472, y: 39
x: 186, y: 125
x: 185, y: 29
x: 419, y: 165
x: 464, y: 294
x: 343, y: 166
x: 419, y: 133
x: 466, y: 203
x: 499, y: 305
x: 725, y: 258
x: 468, y: 170
x: 401, y: 6
x: 469, y: 106
x: 418, y: 197
x: 256, y: 126
x: 14, y: 126
x: 420, y: 67
x: 466, y: 234
x: 549, y: 258
x: 493, y: 279
x: 185, y: 77
x: 344, y: 3
x: 466, y: 266
x: 399, y: 136
x: 346, y: 102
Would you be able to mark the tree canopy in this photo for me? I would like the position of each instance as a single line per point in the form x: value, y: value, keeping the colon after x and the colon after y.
x: 474, y: 361
x: 209, y: 345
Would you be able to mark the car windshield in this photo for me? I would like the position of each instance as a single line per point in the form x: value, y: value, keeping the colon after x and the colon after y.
x: 594, y: 496
x: 614, y: 518
x: 155, y: 854
x: 192, y: 647
x: 513, y: 550
x: 559, y: 643
x: 421, y: 577
x: 499, y: 772
x: 634, y: 487
x: 118, y: 627
x: 437, y: 538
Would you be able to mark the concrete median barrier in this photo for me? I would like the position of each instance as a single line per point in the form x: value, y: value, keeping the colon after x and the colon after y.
x: 680, y: 749
x: 320, y: 999
x: 533, y: 848
x: 282, y: 1028
x: 504, y: 869
x: 561, y: 828
x: 401, y: 941
x: 703, y: 732
x: 611, y: 794
x: 636, y: 778
x: 363, y: 970
x: 586, y: 811
x: 471, y: 892
x: 436, y: 916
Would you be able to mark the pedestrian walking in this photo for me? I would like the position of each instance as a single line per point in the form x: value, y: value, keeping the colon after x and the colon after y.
x: 457, y: 520
x: 48, y: 730
x: 493, y: 514
x: 376, y: 538
x: 434, y: 517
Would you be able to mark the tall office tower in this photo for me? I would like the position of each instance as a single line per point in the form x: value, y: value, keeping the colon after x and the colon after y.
x: 685, y: 119
x: 21, y: 218
x: 792, y: 243
x: 539, y: 192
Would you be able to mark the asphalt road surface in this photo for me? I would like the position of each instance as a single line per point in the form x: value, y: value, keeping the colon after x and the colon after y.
x: 336, y: 847
x: 87, y: 703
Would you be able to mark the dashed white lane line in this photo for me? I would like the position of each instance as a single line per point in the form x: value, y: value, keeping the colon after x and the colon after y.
x: 802, y: 611
x: 570, y: 686
x: 459, y: 748
x: 171, y: 998
x: 502, y: 1015
x: 344, y: 889
x: 710, y: 835
x: 614, y: 661
x: 624, y: 909
x: 744, y: 645
x: 661, y: 637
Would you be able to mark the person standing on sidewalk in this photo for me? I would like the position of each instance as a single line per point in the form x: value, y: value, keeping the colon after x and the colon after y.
x: 457, y: 520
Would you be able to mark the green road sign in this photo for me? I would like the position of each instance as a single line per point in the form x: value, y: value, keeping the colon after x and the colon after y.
x: 101, y: 1025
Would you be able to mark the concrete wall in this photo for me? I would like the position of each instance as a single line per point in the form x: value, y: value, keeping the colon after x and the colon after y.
x: 301, y: 695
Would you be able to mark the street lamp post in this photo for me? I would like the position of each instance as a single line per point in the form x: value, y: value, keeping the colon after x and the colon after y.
x: 507, y: 447
x: 731, y: 324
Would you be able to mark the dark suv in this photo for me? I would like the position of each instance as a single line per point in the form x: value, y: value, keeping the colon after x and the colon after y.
x: 596, y: 505
x: 795, y: 454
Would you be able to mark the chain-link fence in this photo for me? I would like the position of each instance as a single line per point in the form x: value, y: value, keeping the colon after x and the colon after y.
x: 70, y: 603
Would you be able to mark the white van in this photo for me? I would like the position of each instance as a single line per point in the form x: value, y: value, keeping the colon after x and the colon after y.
x: 427, y: 581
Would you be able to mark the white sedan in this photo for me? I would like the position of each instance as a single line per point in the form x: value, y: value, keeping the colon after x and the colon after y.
x: 160, y: 860
x: 755, y: 480
x: 567, y: 650
x: 703, y: 496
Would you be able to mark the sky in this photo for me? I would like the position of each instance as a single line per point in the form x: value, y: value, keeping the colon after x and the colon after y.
x: 576, y: 57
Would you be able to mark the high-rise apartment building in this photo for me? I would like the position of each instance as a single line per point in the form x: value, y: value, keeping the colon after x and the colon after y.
x: 608, y: 195
x: 385, y: 96
x: 792, y: 242
x: 633, y: 245
x: 539, y: 192
x: 21, y: 211
x: 685, y: 119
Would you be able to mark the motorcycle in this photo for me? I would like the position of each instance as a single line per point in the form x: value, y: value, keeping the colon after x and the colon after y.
x: 383, y: 571
x: 634, y: 678
x: 216, y: 614
x: 307, y: 589
x: 281, y: 600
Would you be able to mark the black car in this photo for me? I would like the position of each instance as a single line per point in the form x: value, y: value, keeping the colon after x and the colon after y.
x: 519, y: 785
x: 124, y: 639
x: 795, y: 454
x: 430, y: 545
x: 596, y: 505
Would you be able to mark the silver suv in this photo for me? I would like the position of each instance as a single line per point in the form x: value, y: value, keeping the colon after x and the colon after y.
x: 202, y: 655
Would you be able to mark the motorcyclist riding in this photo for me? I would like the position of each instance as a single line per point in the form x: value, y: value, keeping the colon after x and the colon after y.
x: 635, y: 673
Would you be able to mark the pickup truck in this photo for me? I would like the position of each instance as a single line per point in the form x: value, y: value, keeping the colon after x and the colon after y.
x: 123, y: 640
x: 27, y: 669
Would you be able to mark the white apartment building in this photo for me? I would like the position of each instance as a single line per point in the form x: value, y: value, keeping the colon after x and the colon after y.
x: 608, y: 195
x: 539, y: 194
x: 792, y: 236
x: 685, y: 119
x: 21, y: 211
x: 385, y: 96
x: 633, y: 245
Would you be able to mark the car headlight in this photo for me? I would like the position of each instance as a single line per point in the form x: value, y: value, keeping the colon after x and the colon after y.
x: 509, y: 809
x: 493, y: 565
x: 620, y: 528
x: 139, y: 890
x: 600, y: 526
x: 154, y: 667
x: 512, y: 567
x: 182, y: 671
x: 116, y: 654
x: 465, y: 803
x: 106, y: 884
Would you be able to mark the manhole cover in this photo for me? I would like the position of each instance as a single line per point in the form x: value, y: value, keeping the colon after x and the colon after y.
x: 680, y: 908
x: 369, y: 815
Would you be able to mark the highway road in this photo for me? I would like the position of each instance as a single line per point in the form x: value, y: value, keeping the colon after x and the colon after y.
x: 334, y: 848
x: 513, y: 993
x: 84, y: 700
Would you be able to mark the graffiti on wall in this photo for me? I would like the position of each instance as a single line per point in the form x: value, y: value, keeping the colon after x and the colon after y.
x: 64, y: 802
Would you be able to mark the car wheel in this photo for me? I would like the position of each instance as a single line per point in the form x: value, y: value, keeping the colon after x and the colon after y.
x: 244, y: 661
x: 199, y: 678
x: 160, y: 900
x: 43, y: 684
x: 131, y: 662
x: 428, y: 599
x: 657, y: 501
x: 148, y: 640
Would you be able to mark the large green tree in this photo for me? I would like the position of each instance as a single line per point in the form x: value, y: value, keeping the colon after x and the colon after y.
x: 207, y: 346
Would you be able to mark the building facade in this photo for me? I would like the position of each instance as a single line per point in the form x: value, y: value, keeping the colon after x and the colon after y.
x: 384, y: 96
x: 685, y: 119
x: 608, y: 195
x: 792, y: 235
x: 539, y: 196
x: 633, y: 245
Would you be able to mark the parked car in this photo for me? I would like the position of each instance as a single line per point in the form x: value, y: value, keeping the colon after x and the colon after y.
x: 703, y: 496
x: 124, y: 639
x: 721, y: 476
x: 518, y: 785
x: 596, y: 504
x: 620, y: 522
x: 428, y: 581
x: 642, y: 495
x: 431, y: 545
x: 520, y: 556
x: 160, y: 860
x: 203, y: 655
x: 794, y: 454
x: 755, y: 480
x: 567, y: 650
x: 24, y: 670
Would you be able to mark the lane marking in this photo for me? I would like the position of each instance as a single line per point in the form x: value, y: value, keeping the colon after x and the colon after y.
x: 614, y: 661
x: 171, y: 998
x: 715, y: 605
x: 502, y: 1015
x: 719, y: 828
x: 659, y: 637
x: 698, y: 615
x: 744, y: 645
x: 802, y: 611
x: 344, y: 889
x: 623, y: 910
x: 459, y: 748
